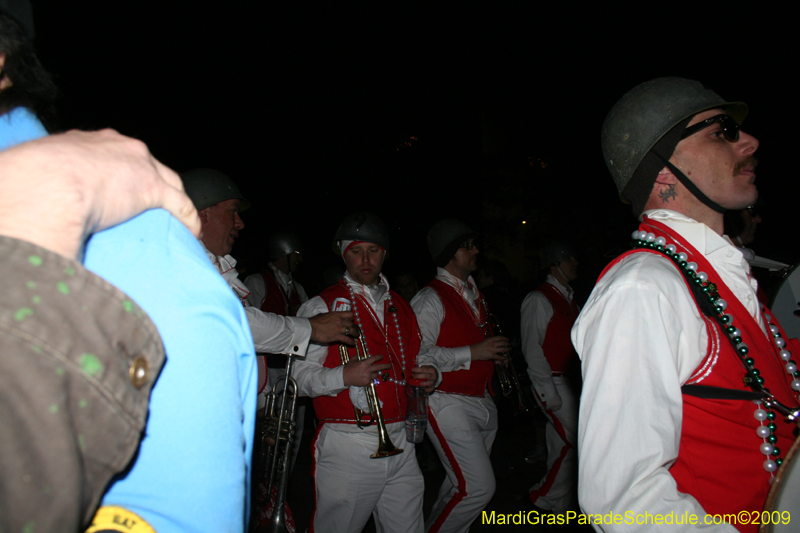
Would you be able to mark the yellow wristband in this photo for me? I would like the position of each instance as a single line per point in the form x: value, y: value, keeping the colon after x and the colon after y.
x: 111, y: 519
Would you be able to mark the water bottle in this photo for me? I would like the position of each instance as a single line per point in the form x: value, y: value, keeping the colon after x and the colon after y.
x: 417, y: 414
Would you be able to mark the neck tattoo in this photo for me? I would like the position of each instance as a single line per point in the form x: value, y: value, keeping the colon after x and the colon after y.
x: 668, y: 193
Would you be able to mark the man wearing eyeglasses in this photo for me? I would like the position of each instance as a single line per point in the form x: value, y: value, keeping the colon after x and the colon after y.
x: 453, y: 320
x: 677, y: 355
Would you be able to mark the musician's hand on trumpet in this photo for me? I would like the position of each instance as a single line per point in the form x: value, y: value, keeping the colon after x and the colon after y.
x: 427, y: 374
x: 492, y: 349
x: 328, y: 328
x: 361, y: 372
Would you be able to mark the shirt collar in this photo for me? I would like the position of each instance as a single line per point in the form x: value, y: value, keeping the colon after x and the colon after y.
x: 284, y: 279
x: 450, y: 279
x: 566, y: 291
x: 700, y: 236
x: 375, y: 294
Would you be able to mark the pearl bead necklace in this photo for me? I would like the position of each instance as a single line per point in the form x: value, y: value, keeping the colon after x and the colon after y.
x: 393, y: 311
x: 752, y: 379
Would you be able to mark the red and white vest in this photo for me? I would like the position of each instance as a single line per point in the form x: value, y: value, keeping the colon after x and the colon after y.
x: 460, y: 329
x: 380, y: 341
x: 275, y: 300
x: 719, y: 461
x: 557, y: 346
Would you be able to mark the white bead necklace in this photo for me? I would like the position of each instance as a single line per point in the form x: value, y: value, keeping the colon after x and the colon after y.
x: 766, y: 418
x: 393, y: 311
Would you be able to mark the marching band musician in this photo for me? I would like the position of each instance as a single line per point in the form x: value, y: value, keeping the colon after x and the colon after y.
x: 677, y: 353
x: 350, y: 485
x: 274, y: 290
x: 463, y: 424
x: 219, y: 202
x: 548, y: 314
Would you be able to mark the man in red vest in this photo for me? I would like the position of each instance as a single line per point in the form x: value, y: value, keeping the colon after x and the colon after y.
x: 349, y: 484
x: 274, y: 290
x: 681, y: 364
x: 548, y: 314
x: 453, y: 318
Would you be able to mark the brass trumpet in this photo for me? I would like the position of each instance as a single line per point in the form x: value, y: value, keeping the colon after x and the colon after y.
x: 385, y: 446
x: 509, y: 379
x: 276, y: 437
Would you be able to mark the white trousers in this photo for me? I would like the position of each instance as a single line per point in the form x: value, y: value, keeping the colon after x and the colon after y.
x: 557, y: 491
x: 350, y: 485
x: 462, y: 429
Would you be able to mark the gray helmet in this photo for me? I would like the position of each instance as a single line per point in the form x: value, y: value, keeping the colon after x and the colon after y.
x: 362, y: 227
x: 445, y: 238
x: 556, y: 251
x: 642, y: 119
x: 283, y: 243
x: 207, y: 187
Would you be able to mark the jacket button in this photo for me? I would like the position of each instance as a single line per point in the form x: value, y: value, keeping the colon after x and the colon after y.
x: 138, y: 371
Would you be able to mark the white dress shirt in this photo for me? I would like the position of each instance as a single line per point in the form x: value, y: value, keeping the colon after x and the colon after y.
x: 271, y: 333
x: 258, y: 288
x: 430, y: 315
x: 640, y: 337
x: 536, y: 312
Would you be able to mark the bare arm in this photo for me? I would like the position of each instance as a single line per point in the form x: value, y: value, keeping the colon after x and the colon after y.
x: 60, y: 189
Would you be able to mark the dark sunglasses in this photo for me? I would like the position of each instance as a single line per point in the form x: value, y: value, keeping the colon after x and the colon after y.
x: 753, y: 210
x: 469, y: 245
x: 730, y: 128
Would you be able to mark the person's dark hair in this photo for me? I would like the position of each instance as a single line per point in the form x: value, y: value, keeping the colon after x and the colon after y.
x: 33, y: 86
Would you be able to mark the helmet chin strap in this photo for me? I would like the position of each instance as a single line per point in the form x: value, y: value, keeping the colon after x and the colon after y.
x: 558, y: 267
x: 691, y: 186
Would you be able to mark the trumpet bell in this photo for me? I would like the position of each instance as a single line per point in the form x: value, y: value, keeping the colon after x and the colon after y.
x: 385, y: 449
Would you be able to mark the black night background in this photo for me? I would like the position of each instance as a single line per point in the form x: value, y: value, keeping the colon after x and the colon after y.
x: 417, y: 112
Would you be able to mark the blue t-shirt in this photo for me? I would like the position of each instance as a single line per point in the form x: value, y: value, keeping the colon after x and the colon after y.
x: 18, y: 126
x: 192, y: 471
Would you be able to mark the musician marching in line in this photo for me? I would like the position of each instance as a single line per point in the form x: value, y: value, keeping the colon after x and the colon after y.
x: 673, y: 342
x: 454, y: 322
x: 349, y: 484
x: 547, y: 316
x: 274, y: 290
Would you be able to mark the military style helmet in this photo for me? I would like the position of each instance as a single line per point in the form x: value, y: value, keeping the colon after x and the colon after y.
x: 283, y: 243
x: 362, y: 227
x: 207, y: 187
x: 646, y: 118
x: 445, y: 238
x: 554, y: 252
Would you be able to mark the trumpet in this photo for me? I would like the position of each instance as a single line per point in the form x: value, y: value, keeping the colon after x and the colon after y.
x: 385, y: 446
x: 509, y: 379
x: 277, y: 435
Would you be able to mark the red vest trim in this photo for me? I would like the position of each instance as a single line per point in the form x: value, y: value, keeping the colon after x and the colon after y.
x: 380, y: 341
x: 275, y: 300
x: 719, y: 462
x: 557, y: 346
x: 459, y: 329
